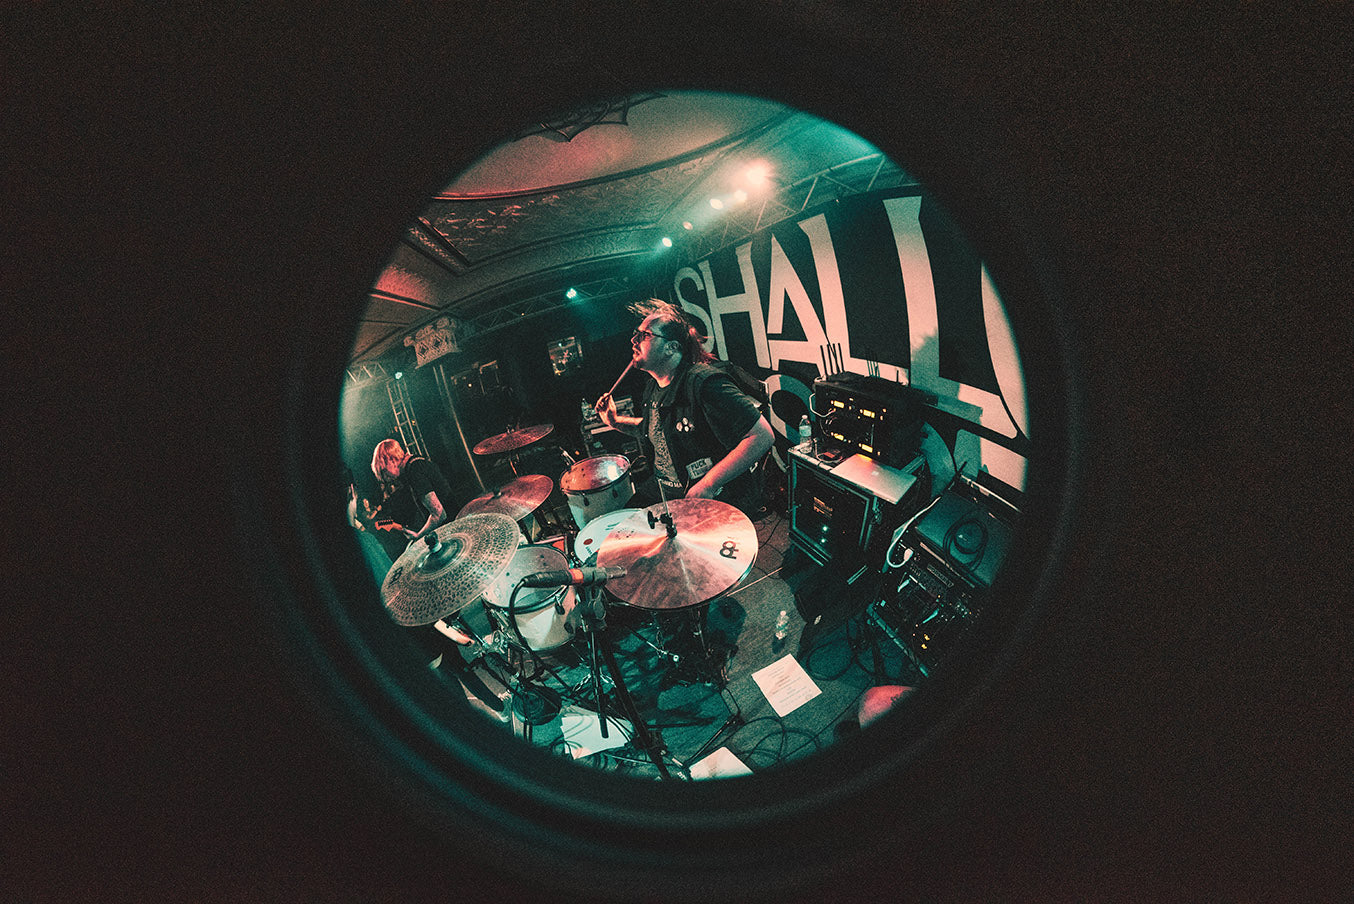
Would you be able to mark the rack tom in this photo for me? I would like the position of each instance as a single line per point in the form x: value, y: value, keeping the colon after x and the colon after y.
x: 597, y: 486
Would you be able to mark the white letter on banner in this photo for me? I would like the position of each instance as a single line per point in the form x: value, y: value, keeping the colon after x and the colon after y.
x: 785, y: 283
x: 1001, y: 346
x: 746, y: 302
x: 914, y: 262
x: 785, y: 383
x: 830, y: 288
x: 692, y: 308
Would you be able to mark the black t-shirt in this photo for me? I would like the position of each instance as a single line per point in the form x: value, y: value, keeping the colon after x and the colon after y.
x: 694, y: 422
x: 423, y: 477
x: 728, y: 412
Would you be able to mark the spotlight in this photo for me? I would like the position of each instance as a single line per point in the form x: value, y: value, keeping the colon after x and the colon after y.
x: 399, y: 375
x: 687, y: 225
x: 716, y: 203
x: 571, y: 294
x: 667, y: 242
x: 740, y: 196
x: 758, y: 173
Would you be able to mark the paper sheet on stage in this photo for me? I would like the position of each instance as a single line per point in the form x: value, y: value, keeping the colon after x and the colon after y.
x: 786, y: 685
x: 582, y: 732
x: 723, y: 763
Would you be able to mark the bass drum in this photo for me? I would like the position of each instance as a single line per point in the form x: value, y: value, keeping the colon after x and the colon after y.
x: 539, y: 612
x: 596, y: 486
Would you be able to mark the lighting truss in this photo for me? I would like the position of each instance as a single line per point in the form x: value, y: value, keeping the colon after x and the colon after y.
x: 546, y: 302
x: 841, y: 180
x: 360, y: 375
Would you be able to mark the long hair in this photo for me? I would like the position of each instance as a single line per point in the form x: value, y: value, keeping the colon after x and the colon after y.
x: 387, y: 460
x: 674, y: 325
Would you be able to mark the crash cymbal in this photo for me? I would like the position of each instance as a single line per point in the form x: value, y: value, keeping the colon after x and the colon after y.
x: 513, y: 439
x: 428, y: 583
x: 712, y: 549
x: 517, y: 499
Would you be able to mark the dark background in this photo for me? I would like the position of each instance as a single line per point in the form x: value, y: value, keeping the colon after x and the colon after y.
x: 193, y: 194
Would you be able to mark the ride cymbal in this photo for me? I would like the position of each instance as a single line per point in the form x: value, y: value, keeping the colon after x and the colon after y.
x: 513, y: 439
x: 516, y: 499
x: 712, y: 547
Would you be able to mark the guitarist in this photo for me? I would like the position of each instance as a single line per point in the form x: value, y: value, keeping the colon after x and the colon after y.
x: 375, y: 554
x: 392, y: 465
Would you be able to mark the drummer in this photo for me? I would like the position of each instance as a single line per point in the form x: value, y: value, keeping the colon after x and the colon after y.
x: 707, y: 436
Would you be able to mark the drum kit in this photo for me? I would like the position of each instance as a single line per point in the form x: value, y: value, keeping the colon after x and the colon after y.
x: 673, y: 556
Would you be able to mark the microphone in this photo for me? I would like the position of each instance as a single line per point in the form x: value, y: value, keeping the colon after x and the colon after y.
x: 574, y: 577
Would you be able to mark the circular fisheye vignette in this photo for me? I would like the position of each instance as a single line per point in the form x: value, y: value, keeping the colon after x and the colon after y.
x: 484, y: 377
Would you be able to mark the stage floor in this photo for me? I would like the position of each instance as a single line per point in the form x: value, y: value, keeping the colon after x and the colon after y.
x: 694, y: 708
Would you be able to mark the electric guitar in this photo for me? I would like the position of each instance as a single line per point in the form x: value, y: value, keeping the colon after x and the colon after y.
x: 372, y: 521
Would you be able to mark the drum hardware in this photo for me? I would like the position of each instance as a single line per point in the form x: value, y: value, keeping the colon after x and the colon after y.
x: 535, y: 616
x: 512, y: 440
x: 678, y: 556
x: 733, y: 723
x: 592, y: 612
x: 703, y: 664
x: 588, y: 540
x: 703, y: 549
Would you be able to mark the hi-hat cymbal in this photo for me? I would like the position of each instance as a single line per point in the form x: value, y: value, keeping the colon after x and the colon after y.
x: 425, y: 584
x: 713, y: 548
x: 513, y: 439
x: 516, y: 499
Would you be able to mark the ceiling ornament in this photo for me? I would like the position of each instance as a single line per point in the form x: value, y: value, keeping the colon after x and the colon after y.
x: 610, y: 111
x: 434, y: 340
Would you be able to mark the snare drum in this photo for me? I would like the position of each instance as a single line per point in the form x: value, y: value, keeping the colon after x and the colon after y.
x: 539, y: 612
x: 596, y: 486
x: 590, y: 538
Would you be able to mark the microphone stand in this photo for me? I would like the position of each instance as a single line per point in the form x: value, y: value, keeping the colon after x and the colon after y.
x: 534, y: 705
x: 593, y: 613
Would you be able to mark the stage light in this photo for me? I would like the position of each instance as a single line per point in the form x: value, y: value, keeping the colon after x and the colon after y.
x: 571, y: 294
x: 740, y: 196
x: 399, y: 375
x: 667, y: 242
x: 716, y: 203
x: 758, y: 173
x: 687, y: 225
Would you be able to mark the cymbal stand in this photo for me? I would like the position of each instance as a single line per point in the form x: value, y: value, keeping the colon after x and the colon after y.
x: 734, y: 722
x: 665, y: 518
x: 592, y: 611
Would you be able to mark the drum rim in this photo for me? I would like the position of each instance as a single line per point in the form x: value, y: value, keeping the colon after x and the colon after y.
x: 503, y: 588
x: 568, y: 489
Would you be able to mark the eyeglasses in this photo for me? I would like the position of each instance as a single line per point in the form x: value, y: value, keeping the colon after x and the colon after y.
x: 638, y: 333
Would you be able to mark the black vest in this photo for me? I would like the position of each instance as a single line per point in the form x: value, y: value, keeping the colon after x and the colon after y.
x: 692, y: 441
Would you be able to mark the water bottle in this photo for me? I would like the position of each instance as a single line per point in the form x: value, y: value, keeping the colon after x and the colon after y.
x: 782, y: 626
x: 806, y: 433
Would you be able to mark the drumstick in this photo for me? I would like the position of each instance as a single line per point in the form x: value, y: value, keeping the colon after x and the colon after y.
x: 614, y: 385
